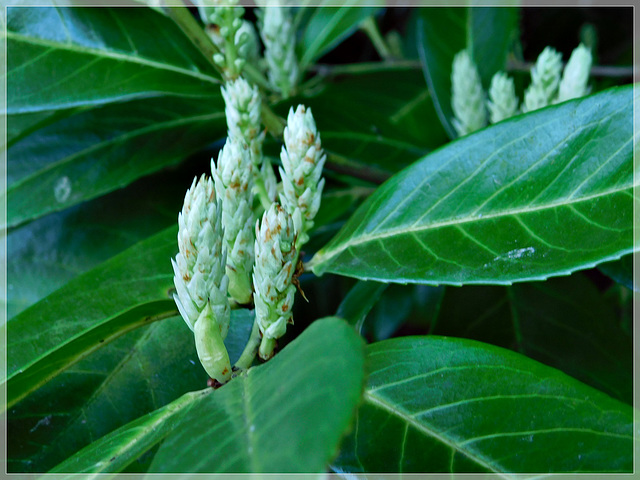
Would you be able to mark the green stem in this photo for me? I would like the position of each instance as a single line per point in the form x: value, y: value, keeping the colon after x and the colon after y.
x: 370, y: 27
x: 251, y: 349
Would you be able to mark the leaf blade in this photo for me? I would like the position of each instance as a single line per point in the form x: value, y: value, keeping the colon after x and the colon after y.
x: 449, y: 205
x: 488, y: 410
x: 251, y: 400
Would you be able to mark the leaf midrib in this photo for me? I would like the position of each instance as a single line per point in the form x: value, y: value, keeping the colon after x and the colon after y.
x: 110, y: 54
x: 323, y: 256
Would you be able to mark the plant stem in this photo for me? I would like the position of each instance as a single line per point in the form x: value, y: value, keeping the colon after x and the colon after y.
x: 250, y: 349
x: 370, y: 27
x: 596, y: 70
x: 262, y: 193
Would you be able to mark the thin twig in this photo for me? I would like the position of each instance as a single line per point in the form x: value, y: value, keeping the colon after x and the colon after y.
x: 596, y: 70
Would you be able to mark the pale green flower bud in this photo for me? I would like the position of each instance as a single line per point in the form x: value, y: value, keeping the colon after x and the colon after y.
x: 233, y: 182
x: 243, y: 105
x: 247, y: 41
x: 467, y: 95
x: 503, y: 102
x: 210, y: 347
x: 576, y: 75
x: 199, y: 275
x: 272, y: 276
x: 279, y: 38
x: 302, y: 161
x: 545, y: 77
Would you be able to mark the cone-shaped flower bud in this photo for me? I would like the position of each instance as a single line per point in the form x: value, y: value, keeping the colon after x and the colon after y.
x: 224, y: 20
x: 210, y: 347
x: 199, y: 267
x: 503, y: 102
x: 302, y: 161
x: 279, y: 38
x: 576, y: 75
x: 467, y: 95
x: 242, y: 109
x: 233, y: 180
x: 272, y: 276
x: 545, y: 77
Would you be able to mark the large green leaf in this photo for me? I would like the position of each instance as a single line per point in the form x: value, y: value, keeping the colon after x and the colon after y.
x: 101, y: 149
x: 538, y: 195
x: 563, y: 322
x: 61, y: 57
x: 442, y: 32
x: 137, y: 374
x: 437, y: 404
x: 126, y: 292
x: 327, y: 26
x: 254, y: 424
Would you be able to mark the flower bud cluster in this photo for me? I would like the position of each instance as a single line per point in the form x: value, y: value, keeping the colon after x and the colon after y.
x: 467, y: 95
x: 199, y: 274
x: 272, y: 278
x: 575, y: 75
x: 228, y: 32
x: 545, y: 78
x: 503, y: 102
x: 279, y: 38
x: 233, y: 178
x: 546, y: 88
x: 302, y: 161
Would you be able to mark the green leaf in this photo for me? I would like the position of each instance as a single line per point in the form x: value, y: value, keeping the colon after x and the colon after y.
x: 564, y: 323
x: 538, y: 195
x: 253, y: 424
x: 436, y: 404
x: 120, y: 448
x: 49, y: 252
x: 139, y: 373
x: 126, y: 292
x: 359, y: 301
x: 64, y: 57
x: 621, y: 271
x: 326, y: 27
x: 442, y: 32
x: 56, y: 166
x: 376, y: 128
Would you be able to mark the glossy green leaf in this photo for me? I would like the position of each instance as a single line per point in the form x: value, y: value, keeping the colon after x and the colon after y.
x: 254, y: 424
x: 621, y: 271
x: 377, y: 128
x: 564, y: 323
x: 124, y: 293
x: 117, y: 450
x: 101, y: 149
x: 121, y: 382
x: 442, y: 32
x: 437, y: 404
x: 538, y: 195
x: 64, y: 57
x: 327, y: 26
x: 47, y: 253
x: 359, y: 302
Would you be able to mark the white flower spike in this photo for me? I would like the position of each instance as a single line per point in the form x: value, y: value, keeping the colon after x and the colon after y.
x: 302, y: 162
x: 199, y: 276
x: 467, y: 95
x: 503, y: 102
x: 279, y: 38
x: 272, y: 276
x: 233, y: 181
x: 576, y: 75
x: 545, y: 78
